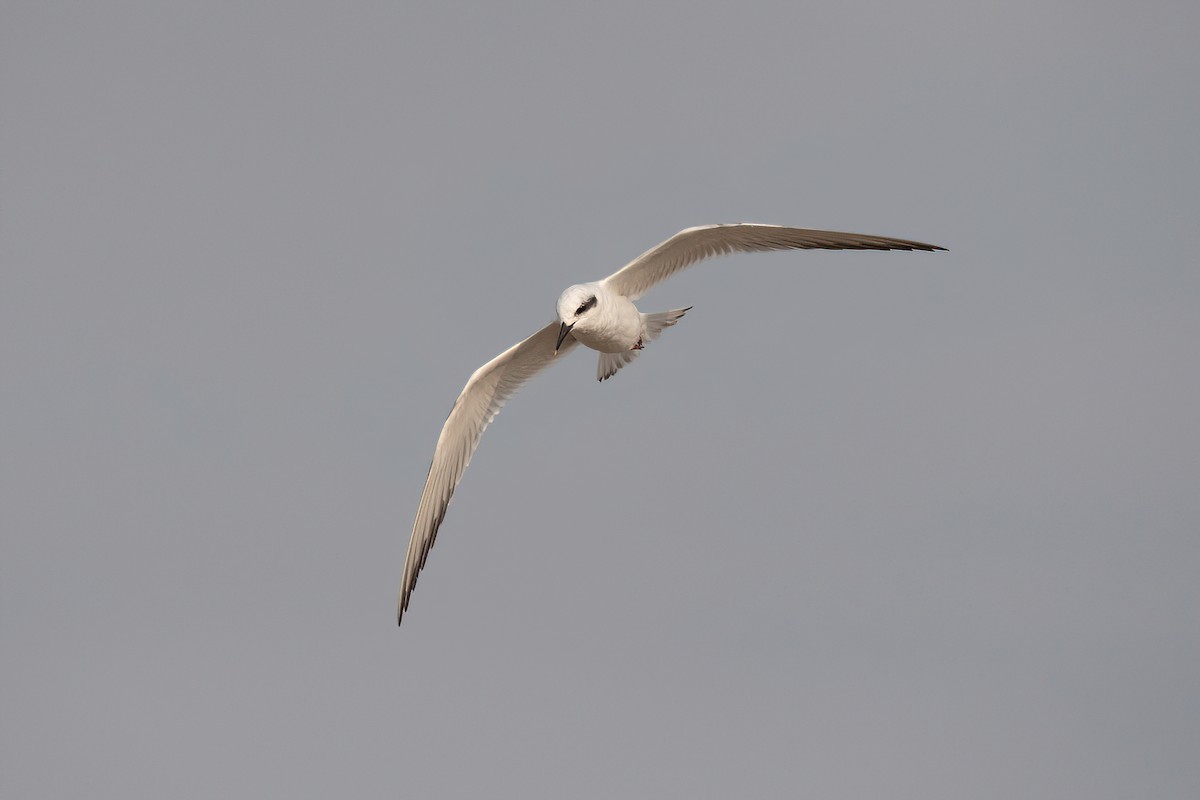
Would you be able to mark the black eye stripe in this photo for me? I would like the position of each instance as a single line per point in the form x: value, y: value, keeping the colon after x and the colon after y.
x: 591, y: 301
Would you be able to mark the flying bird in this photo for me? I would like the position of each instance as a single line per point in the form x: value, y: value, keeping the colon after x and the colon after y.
x: 600, y: 315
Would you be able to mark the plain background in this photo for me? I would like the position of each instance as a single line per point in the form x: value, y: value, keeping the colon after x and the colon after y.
x: 901, y: 525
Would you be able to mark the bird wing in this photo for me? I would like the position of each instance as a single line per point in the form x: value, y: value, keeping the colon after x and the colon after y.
x: 695, y: 244
x: 481, y: 400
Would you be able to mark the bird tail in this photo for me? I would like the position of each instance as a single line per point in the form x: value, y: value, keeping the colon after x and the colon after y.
x: 652, y: 326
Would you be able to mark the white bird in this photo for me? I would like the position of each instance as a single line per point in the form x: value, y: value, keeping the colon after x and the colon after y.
x: 602, y: 316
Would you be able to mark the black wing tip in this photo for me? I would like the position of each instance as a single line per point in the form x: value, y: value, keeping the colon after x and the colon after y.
x: 403, y: 607
x: 911, y: 246
x: 905, y: 244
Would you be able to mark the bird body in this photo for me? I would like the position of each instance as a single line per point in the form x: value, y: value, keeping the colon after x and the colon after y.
x: 602, y: 316
x: 599, y: 318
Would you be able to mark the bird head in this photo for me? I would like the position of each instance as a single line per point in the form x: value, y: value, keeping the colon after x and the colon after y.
x: 574, y: 306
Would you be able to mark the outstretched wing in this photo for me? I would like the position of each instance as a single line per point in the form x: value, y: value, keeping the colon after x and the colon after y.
x: 481, y: 400
x: 695, y: 244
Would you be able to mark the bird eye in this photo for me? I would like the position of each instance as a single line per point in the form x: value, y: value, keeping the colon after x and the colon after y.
x: 581, y: 309
x: 591, y: 301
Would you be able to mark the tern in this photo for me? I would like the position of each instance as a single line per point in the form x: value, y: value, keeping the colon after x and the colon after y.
x: 602, y: 316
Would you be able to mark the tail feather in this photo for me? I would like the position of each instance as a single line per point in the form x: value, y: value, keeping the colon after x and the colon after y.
x: 611, y: 362
x: 652, y: 326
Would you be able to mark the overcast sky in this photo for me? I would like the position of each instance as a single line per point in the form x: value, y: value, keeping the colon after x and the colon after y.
x: 905, y: 525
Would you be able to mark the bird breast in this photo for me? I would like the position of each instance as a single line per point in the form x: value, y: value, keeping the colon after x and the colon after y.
x: 614, y: 326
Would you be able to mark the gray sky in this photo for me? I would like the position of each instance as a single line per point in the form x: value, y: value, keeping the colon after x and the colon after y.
x: 862, y: 525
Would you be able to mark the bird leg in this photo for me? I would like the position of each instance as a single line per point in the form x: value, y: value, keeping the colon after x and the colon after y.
x: 639, y: 345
